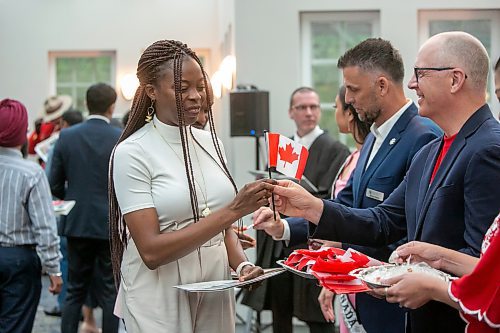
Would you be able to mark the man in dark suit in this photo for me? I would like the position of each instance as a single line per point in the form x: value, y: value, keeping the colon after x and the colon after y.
x: 396, y: 135
x: 81, y: 158
x: 288, y: 295
x: 450, y: 193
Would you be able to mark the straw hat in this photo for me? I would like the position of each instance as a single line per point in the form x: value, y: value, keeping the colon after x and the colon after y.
x: 55, y: 106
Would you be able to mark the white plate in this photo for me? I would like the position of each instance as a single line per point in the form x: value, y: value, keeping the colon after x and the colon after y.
x: 372, y: 275
x: 295, y: 271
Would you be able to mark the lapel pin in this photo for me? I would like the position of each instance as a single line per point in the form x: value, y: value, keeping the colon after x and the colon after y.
x: 393, y: 141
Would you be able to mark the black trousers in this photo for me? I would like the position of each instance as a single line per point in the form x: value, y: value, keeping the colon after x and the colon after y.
x: 20, y: 287
x: 84, y: 256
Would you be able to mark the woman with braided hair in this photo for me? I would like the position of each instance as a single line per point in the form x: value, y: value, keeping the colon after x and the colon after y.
x: 172, y: 202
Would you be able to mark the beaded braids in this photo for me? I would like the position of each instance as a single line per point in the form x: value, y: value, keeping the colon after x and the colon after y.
x: 161, y: 55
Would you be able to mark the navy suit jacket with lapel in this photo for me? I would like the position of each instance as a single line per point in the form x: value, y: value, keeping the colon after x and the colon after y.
x: 453, y: 211
x: 81, y: 158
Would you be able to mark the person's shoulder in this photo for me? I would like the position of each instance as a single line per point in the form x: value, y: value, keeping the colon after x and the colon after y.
x: 201, y: 134
x: 135, y: 140
x: 424, y: 125
x: 326, y: 140
x: 115, y: 130
x: 28, y: 168
x: 72, y: 130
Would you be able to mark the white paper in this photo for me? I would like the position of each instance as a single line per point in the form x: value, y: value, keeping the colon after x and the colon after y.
x: 211, y: 286
x: 42, y: 148
x: 63, y: 207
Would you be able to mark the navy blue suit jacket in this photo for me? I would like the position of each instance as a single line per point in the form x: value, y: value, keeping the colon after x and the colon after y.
x: 81, y: 158
x: 453, y: 211
x: 385, y: 172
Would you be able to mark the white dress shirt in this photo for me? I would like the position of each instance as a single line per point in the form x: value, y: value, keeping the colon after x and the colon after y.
x: 383, y: 130
x: 98, y: 116
x: 308, y: 139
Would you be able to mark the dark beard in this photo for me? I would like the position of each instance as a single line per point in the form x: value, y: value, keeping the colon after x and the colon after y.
x: 371, y: 116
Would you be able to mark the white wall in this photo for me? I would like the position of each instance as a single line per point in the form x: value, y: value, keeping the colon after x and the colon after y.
x: 267, y: 37
x: 29, y: 29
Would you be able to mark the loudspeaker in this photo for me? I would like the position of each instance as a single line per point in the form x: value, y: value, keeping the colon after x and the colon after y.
x: 249, y: 112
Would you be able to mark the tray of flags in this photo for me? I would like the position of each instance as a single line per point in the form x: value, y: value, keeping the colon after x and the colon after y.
x: 331, y: 267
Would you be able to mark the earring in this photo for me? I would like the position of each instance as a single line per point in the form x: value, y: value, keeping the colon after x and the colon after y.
x: 150, y: 112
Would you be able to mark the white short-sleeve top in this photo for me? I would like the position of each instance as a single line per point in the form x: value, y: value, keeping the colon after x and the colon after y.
x: 149, y: 171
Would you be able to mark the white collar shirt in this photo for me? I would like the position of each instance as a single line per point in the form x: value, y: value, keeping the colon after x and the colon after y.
x: 381, y: 132
x: 98, y: 116
x: 308, y: 139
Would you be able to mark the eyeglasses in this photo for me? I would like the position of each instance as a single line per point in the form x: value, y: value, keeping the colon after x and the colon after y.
x: 302, y: 107
x: 418, y: 74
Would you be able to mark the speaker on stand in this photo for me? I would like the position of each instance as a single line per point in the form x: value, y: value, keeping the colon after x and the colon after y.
x: 249, y: 114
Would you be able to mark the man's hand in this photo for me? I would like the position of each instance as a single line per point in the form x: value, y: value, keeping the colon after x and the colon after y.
x: 263, y: 219
x: 56, y: 284
x: 245, y: 240
x: 292, y: 199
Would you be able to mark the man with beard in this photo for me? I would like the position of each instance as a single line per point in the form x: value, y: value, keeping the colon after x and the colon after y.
x: 373, y: 74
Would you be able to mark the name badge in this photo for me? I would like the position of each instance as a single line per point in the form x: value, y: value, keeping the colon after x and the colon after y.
x: 372, y: 194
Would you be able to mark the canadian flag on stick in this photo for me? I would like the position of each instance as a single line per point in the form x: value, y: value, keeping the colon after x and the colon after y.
x: 286, y: 155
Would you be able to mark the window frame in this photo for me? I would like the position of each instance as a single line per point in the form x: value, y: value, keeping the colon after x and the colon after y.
x: 54, y: 55
x: 306, y: 21
x: 425, y: 16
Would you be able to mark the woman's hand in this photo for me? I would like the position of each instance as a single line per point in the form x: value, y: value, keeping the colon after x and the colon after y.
x: 252, y: 196
x: 420, y: 251
x: 249, y: 272
x: 292, y: 199
x: 412, y: 290
x: 325, y: 300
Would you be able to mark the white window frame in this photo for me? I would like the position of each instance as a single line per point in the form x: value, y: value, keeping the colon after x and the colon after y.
x: 425, y: 16
x: 306, y: 40
x: 53, y: 55
x: 308, y: 18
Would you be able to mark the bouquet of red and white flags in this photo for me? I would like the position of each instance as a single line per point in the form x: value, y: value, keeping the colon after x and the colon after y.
x: 331, y: 266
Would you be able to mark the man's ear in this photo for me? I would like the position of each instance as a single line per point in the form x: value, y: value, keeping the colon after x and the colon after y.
x: 458, y: 80
x: 150, y: 91
x: 383, y: 85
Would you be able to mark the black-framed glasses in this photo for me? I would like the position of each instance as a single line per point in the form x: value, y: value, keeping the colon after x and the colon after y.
x: 418, y: 75
x: 304, y: 107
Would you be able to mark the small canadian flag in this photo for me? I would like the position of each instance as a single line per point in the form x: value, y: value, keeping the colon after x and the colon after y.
x: 286, y: 155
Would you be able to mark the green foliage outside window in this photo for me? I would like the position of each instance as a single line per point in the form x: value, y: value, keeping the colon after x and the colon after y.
x: 329, y: 40
x: 75, y: 74
x: 481, y: 29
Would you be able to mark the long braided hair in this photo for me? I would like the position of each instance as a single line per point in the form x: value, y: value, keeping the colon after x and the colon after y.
x: 161, y: 55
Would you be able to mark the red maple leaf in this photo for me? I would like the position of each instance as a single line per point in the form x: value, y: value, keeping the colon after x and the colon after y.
x: 287, y: 154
